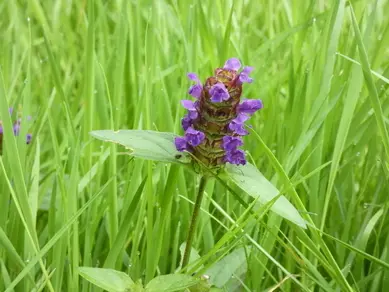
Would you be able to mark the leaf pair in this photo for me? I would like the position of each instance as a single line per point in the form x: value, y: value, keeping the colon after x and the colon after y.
x: 115, y: 281
x: 159, y: 146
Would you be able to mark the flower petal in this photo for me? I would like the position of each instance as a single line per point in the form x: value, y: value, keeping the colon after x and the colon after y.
x: 219, y: 93
x: 193, y: 77
x: 181, y: 143
x: 240, y: 119
x: 186, y: 122
x: 196, y: 90
x: 237, y: 125
x: 188, y: 104
x: 238, y: 129
x: 236, y: 157
x: 231, y: 143
x: 250, y: 106
x: 244, y: 75
x: 194, y: 137
x: 232, y: 64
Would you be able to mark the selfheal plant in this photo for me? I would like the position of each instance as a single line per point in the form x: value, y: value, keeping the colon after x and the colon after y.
x: 15, y: 128
x: 214, y: 123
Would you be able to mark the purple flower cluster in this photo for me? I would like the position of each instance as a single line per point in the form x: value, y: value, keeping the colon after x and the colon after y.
x: 214, y: 123
x: 16, y: 130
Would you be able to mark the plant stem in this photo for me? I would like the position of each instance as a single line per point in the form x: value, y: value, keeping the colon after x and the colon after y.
x: 193, y: 223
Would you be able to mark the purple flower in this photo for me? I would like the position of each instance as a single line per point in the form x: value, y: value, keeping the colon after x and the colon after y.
x: 244, y: 75
x: 181, y: 143
x: 194, y: 137
x: 232, y: 64
x: 235, y: 157
x: 186, y: 122
x: 191, y: 106
x: 196, y: 89
x: 28, y: 138
x: 237, y: 125
x: 231, y: 143
x: 15, y: 128
x: 219, y: 93
x: 250, y: 106
x: 188, y: 104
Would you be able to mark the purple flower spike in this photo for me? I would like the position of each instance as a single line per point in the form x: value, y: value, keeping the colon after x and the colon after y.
x: 230, y: 143
x: 237, y: 125
x: 244, y: 75
x: 236, y: 157
x: 194, y: 137
x: 196, y: 89
x: 219, y: 93
x: 250, y: 106
x: 1, y: 129
x: 214, y: 124
x: 181, y: 144
x: 232, y: 64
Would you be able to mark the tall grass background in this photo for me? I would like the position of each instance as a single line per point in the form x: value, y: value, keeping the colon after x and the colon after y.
x: 67, y: 200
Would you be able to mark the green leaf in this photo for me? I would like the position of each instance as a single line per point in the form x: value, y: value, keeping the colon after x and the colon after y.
x: 107, y: 279
x: 170, y: 283
x: 252, y: 181
x: 202, y: 286
x: 151, y: 145
x: 222, y: 271
x: 194, y: 254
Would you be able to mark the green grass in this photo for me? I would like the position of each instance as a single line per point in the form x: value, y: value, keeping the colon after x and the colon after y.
x: 68, y: 200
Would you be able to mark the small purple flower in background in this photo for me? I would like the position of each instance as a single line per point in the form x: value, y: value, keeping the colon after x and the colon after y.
x: 214, y: 123
x: 15, y: 128
x: 28, y: 138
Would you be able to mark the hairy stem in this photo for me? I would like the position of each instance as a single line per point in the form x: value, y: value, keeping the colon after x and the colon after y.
x: 193, y: 223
